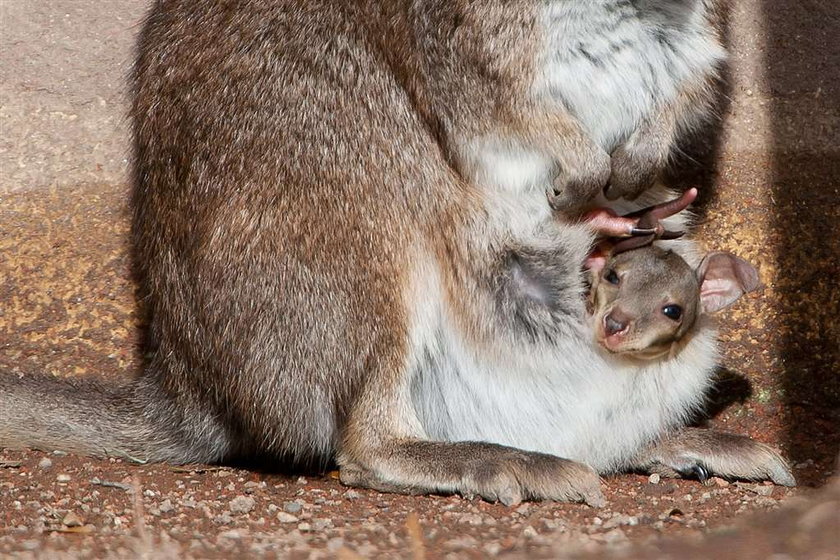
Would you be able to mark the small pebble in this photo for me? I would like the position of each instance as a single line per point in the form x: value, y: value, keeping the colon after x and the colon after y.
x: 654, y: 478
x: 335, y: 544
x: 284, y: 517
x: 614, y: 536
x: 471, y: 519
x: 63, y: 478
x: 523, y: 509
x: 223, y: 519
x: 321, y: 524
x: 529, y: 532
x: 493, y: 548
x: 166, y: 506
x: 764, y: 501
x: 242, y: 504
x: 292, y: 507
x: 45, y: 463
x: 231, y: 534
x: 72, y: 520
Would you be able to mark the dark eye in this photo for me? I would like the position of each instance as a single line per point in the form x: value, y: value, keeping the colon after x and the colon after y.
x: 612, y: 277
x: 673, y: 312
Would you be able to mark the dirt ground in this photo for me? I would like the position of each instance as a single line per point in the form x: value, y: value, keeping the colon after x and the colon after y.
x: 769, y: 180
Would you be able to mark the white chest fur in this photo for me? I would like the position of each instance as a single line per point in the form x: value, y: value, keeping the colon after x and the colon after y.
x: 612, y: 62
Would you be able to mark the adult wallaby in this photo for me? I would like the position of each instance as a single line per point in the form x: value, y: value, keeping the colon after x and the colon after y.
x: 342, y: 233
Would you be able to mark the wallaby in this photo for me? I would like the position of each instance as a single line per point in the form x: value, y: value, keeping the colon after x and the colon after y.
x: 343, y: 241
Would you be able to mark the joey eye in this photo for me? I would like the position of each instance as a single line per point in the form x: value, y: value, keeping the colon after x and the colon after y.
x: 673, y: 312
x: 612, y: 277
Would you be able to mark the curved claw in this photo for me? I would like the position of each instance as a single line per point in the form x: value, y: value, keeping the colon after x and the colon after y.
x: 696, y: 470
x: 668, y: 234
x: 701, y: 472
x: 631, y: 243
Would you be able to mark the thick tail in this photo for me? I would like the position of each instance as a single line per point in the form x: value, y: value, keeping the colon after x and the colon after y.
x: 88, y: 417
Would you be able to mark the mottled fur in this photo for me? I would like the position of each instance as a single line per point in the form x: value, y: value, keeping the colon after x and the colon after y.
x: 341, y: 228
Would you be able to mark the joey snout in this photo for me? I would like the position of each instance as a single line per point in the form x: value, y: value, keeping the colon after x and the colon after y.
x: 615, y: 329
x: 620, y: 331
x: 616, y: 324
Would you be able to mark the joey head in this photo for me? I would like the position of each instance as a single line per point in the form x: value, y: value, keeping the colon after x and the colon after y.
x: 646, y: 300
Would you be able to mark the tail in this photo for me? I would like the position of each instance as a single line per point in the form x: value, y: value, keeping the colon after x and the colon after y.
x: 87, y: 417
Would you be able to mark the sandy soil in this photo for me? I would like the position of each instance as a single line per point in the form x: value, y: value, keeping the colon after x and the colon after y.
x: 769, y: 179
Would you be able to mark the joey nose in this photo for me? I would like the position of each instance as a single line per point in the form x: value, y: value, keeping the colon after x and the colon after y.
x: 614, y: 323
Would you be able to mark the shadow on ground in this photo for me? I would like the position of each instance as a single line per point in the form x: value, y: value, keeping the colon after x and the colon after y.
x: 802, y: 69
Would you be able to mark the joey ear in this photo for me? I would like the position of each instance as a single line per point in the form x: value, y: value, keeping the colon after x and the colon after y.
x: 595, y: 263
x: 597, y: 258
x: 723, y: 279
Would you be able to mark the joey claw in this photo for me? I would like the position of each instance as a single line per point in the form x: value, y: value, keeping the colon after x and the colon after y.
x: 640, y: 231
x: 649, y: 228
x: 638, y: 228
